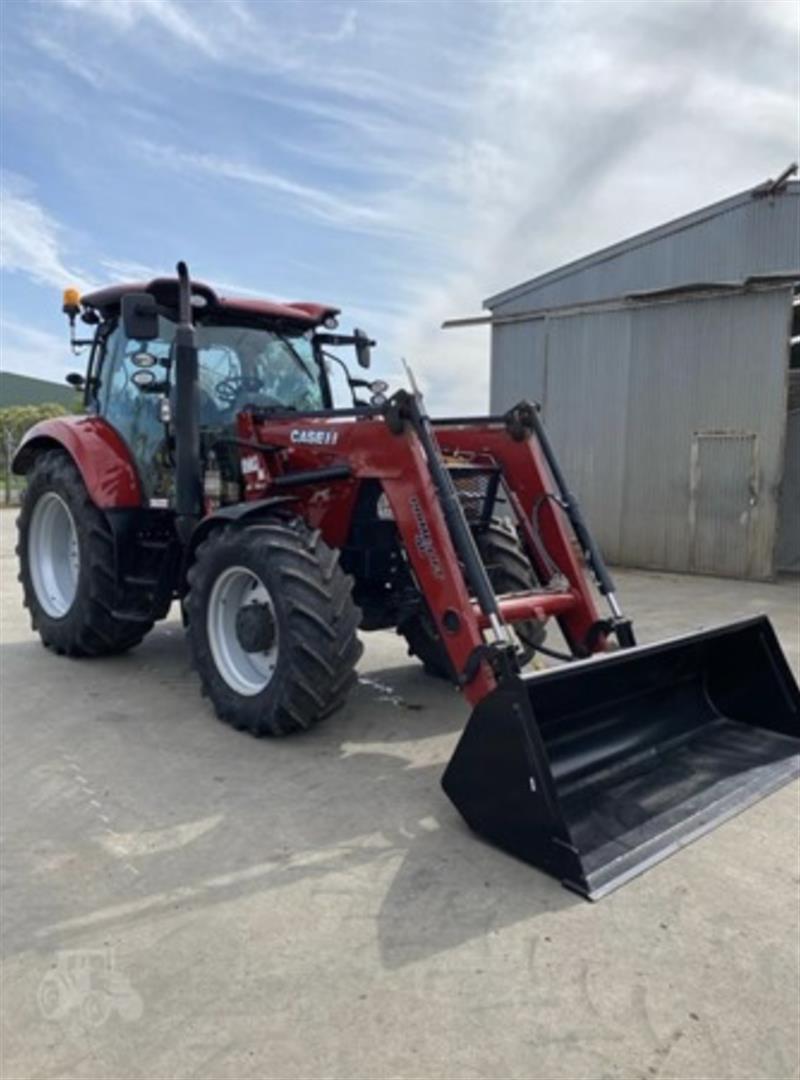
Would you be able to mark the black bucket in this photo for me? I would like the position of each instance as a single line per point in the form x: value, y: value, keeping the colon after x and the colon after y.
x: 596, y: 770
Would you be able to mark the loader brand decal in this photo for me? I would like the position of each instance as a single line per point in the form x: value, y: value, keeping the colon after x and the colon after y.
x: 424, y: 540
x: 251, y: 464
x: 314, y: 437
x: 253, y: 468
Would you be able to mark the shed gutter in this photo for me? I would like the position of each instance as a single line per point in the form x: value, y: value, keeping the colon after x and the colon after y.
x: 673, y: 294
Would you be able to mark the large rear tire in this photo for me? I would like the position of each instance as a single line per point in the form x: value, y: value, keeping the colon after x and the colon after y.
x: 509, y: 571
x: 272, y: 626
x: 66, y: 559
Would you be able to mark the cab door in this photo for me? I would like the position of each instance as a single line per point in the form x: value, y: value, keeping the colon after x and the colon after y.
x: 133, y: 412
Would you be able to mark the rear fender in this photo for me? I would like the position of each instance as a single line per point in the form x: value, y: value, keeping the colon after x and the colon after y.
x: 99, y: 452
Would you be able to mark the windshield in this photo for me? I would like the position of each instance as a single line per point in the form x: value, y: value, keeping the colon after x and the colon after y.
x: 241, y: 366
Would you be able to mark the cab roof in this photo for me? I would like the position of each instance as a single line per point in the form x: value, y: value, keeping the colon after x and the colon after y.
x: 165, y: 289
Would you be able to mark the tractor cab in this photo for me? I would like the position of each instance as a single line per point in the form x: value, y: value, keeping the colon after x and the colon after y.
x: 251, y: 354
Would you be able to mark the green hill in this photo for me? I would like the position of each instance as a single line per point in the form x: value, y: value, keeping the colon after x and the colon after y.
x: 22, y: 390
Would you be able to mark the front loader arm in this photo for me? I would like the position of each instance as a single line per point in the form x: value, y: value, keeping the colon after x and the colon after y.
x: 535, y: 500
x: 433, y: 558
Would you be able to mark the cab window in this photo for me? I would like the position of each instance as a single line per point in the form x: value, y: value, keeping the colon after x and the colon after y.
x: 133, y: 413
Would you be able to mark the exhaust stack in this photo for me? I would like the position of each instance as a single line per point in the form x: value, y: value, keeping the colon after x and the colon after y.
x: 188, y: 475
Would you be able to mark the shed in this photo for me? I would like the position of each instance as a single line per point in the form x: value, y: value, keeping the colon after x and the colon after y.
x: 663, y: 367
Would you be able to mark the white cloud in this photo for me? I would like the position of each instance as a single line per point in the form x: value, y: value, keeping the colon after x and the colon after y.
x: 328, y: 208
x: 343, y: 32
x: 296, y: 46
x: 77, y: 66
x: 127, y: 270
x: 167, y: 16
x: 481, y: 143
x: 29, y: 351
x: 30, y: 240
x: 590, y: 125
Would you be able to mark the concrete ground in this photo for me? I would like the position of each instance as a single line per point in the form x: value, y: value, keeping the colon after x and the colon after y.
x: 315, y: 907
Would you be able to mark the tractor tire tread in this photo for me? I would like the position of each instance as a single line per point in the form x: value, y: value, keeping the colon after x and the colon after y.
x: 89, y: 629
x: 510, y: 571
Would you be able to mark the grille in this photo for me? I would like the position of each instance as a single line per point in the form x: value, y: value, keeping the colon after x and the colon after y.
x: 472, y: 487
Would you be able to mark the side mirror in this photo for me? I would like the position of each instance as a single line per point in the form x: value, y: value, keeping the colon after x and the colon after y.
x: 75, y: 379
x: 363, y: 346
x: 140, y: 316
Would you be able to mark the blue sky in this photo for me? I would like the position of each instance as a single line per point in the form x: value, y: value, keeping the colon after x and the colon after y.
x: 401, y: 160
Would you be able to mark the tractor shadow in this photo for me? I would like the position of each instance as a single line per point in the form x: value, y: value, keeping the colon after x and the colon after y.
x: 449, y: 886
x: 359, y: 792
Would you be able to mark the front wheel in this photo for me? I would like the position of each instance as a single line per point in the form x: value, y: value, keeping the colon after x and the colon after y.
x: 272, y: 626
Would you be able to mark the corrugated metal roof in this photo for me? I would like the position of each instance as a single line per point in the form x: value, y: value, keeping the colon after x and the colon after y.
x: 737, y: 238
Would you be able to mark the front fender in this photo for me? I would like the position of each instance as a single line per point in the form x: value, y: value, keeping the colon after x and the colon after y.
x: 237, y: 514
x: 99, y: 452
x: 243, y: 513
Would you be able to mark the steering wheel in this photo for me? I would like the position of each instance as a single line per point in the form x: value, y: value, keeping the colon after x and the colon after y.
x: 229, y: 389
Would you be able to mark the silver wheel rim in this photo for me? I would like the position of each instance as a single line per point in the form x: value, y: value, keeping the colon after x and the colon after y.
x: 247, y: 673
x: 53, y: 555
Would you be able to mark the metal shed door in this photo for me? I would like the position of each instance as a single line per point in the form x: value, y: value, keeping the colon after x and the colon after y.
x: 723, y: 493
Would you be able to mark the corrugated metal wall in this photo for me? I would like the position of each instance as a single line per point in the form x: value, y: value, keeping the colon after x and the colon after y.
x: 518, y: 361
x: 740, y: 238
x: 633, y: 398
x: 787, y: 552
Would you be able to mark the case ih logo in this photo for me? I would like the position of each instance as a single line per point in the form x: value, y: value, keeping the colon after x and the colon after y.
x: 424, y: 540
x: 314, y: 437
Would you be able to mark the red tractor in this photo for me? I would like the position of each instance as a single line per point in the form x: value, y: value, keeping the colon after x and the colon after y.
x: 212, y: 467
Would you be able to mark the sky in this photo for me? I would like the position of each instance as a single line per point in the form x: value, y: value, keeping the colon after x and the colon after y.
x: 402, y: 161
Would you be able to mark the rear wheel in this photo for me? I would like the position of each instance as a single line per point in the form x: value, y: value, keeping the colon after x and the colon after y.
x: 66, y: 558
x: 272, y: 626
x: 509, y: 571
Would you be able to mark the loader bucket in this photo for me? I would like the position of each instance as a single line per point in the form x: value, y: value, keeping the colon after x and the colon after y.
x: 597, y: 770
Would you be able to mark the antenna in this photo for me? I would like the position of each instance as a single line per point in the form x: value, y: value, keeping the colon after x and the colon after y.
x: 410, y: 376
